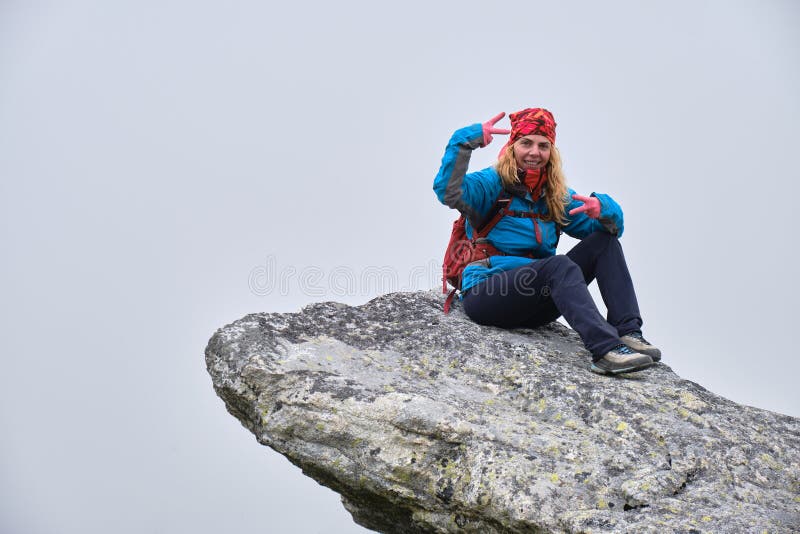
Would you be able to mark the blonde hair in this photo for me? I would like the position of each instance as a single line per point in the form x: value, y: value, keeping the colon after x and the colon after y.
x: 555, y: 195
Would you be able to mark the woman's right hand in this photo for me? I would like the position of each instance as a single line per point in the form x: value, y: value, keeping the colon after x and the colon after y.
x: 489, y: 129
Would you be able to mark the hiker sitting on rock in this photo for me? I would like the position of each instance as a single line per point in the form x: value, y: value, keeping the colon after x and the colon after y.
x: 513, y: 276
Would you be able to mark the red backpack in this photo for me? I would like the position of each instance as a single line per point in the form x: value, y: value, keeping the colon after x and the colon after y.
x: 461, y: 251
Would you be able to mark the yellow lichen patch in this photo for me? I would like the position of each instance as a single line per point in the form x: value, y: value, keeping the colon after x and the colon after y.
x: 558, y: 417
x: 699, y: 421
x: 706, y: 518
x: 602, y: 504
x: 571, y: 424
x: 770, y: 461
x: 622, y: 426
x: 542, y: 404
x: 489, y: 402
x: 329, y: 358
x: 432, y: 487
x: 683, y: 412
x: 554, y: 478
x: 320, y: 426
x: 387, y: 387
x: 449, y: 470
x: 688, y: 399
x: 402, y: 475
x: 571, y: 387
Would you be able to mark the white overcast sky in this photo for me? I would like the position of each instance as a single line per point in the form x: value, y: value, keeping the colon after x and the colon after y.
x: 168, y: 167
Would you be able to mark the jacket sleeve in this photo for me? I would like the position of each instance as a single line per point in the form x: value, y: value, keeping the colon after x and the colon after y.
x: 471, y: 193
x: 581, y: 225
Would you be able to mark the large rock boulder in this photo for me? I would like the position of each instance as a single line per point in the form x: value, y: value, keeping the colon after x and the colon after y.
x: 431, y: 423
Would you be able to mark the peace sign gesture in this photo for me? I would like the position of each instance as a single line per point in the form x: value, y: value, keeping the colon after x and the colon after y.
x: 489, y: 129
x: 591, y: 205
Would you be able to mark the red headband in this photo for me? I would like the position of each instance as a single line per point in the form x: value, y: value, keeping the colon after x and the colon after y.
x: 532, y: 121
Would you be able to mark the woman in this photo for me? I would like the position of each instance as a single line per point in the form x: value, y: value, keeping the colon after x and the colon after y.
x: 522, y: 282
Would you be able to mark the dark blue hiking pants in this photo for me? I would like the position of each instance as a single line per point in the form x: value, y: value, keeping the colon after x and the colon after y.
x: 536, y: 294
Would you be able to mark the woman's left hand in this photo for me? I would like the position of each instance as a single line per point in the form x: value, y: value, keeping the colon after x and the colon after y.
x: 591, y: 206
x: 489, y: 129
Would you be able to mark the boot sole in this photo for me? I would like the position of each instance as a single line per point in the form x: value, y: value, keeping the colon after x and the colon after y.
x: 632, y: 369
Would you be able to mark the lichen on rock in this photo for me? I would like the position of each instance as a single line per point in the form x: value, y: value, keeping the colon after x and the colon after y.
x: 426, y: 422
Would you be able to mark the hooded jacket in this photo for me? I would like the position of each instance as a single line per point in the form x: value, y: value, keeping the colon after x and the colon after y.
x: 473, y: 194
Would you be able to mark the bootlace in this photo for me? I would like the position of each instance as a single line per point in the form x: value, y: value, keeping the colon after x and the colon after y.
x: 638, y: 335
x: 642, y: 339
x: 622, y: 348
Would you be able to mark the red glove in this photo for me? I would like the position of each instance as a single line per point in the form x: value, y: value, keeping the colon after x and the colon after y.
x: 489, y: 129
x: 591, y: 206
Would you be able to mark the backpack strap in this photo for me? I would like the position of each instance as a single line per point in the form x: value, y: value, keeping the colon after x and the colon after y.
x: 449, y: 301
x: 498, y: 210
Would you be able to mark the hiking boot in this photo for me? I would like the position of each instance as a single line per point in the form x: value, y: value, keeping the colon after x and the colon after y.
x: 635, y: 341
x: 621, y: 359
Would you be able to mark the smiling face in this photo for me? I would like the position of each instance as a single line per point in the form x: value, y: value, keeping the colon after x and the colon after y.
x: 532, y: 152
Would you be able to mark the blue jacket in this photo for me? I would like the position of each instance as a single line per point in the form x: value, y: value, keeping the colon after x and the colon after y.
x: 473, y: 194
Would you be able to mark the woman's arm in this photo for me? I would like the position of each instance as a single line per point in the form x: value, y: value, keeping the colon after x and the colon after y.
x: 472, y: 193
x: 580, y: 224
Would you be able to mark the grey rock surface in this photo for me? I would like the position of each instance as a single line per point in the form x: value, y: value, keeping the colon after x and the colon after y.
x: 431, y: 423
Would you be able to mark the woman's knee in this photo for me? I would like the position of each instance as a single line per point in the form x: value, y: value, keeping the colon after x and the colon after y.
x: 562, y: 261
x: 597, y: 243
x: 601, y: 237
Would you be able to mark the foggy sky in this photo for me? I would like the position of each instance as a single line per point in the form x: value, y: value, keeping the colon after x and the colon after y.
x: 160, y: 161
